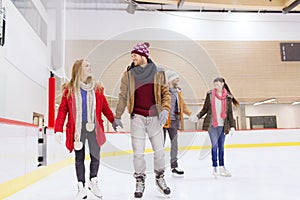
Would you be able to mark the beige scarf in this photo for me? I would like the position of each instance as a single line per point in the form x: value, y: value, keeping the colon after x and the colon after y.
x: 91, y: 108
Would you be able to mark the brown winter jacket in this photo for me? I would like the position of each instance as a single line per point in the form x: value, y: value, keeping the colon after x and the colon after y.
x: 127, y: 91
x: 206, y: 109
x: 183, y: 109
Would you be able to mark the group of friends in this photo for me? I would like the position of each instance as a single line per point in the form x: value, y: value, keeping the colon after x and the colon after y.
x: 156, y: 106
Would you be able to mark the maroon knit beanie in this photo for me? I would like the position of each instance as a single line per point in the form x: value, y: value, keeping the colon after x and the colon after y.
x: 141, y: 49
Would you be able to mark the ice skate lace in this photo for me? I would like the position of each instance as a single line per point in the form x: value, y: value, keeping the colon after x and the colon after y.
x: 139, y: 186
x: 162, y: 183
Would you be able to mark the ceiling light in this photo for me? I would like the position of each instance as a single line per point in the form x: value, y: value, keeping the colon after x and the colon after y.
x: 296, y: 103
x: 131, y: 6
x: 180, y: 3
x: 263, y: 102
x: 290, y: 7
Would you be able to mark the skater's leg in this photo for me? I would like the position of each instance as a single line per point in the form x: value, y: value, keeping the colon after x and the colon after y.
x: 138, y: 137
x: 174, y: 143
x: 79, y: 158
x: 221, y: 142
x: 156, y: 139
x: 79, y: 165
x: 94, y: 164
x: 94, y: 154
x: 213, y: 134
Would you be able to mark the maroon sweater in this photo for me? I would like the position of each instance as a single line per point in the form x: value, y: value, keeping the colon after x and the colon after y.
x: 144, y: 101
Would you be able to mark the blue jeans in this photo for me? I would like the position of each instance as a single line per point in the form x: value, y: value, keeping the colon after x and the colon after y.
x: 217, y: 138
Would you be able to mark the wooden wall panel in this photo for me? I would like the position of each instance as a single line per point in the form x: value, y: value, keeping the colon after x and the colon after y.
x: 253, y: 69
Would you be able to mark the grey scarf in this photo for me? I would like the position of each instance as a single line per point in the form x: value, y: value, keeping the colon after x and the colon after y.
x: 144, y: 75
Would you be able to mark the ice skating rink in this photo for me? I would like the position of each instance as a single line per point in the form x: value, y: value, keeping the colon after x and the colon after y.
x: 258, y: 173
x: 264, y: 165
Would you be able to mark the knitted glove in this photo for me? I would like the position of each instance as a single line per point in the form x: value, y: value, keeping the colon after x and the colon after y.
x: 59, y: 137
x: 117, y: 125
x: 163, y: 117
x: 232, y: 130
x: 193, y: 118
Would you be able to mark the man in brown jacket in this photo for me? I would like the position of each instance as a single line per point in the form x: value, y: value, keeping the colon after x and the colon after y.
x: 145, y: 93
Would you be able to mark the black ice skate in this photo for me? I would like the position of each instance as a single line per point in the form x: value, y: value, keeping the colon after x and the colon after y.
x: 177, y: 172
x: 140, y: 187
x: 161, y: 184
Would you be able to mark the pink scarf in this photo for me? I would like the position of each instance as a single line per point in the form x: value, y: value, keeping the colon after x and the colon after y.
x: 213, y: 104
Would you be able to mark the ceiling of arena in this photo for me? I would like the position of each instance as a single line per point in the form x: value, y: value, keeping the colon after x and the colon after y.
x: 239, y: 83
x: 271, y: 6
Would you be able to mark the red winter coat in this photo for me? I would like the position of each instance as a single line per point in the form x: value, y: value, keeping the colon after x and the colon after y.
x: 67, y: 107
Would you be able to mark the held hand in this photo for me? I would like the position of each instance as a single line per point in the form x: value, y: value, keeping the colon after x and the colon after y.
x: 163, y: 117
x: 232, y: 130
x: 59, y: 137
x: 193, y: 118
x: 117, y: 125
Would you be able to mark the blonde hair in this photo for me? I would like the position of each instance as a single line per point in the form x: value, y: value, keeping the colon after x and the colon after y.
x: 74, y: 84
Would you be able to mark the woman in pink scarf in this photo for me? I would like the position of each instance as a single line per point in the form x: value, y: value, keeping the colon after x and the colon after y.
x: 218, y: 121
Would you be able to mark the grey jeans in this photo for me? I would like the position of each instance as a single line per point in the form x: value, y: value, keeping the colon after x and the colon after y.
x: 172, y: 130
x: 141, y: 127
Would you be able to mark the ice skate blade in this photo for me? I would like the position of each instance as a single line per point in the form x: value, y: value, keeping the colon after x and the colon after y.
x: 177, y: 175
x: 225, y: 175
x: 85, y: 197
x: 167, y: 196
x: 99, y: 197
x: 138, y: 197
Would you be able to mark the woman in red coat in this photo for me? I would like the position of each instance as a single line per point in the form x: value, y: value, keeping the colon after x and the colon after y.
x: 83, y: 101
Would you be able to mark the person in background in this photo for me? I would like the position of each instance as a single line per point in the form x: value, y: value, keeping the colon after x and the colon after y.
x: 145, y: 93
x: 175, y: 120
x: 218, y: 121
x: 83, y: 101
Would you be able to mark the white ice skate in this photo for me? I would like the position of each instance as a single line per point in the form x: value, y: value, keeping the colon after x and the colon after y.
x: 94, y: 188
x: 224, y: 172
x: 215, y: 172
x: 81, y: 193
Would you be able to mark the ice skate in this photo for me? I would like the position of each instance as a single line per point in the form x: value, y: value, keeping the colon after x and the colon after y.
x: 81, y: 191
x: 94, y: 188
x: 215, y: 172
x: 224, y: 172
x: 140, y: 187
x: 176, y: 172
x: 161, y: 185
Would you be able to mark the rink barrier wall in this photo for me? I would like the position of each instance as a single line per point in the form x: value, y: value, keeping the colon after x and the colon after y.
x: 15, y: 122
x: 118, y: 144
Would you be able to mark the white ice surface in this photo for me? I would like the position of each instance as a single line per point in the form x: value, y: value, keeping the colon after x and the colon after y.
x: 257, y: 173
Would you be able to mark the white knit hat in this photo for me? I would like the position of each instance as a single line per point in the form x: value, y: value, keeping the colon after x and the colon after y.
x: 171, y: 75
